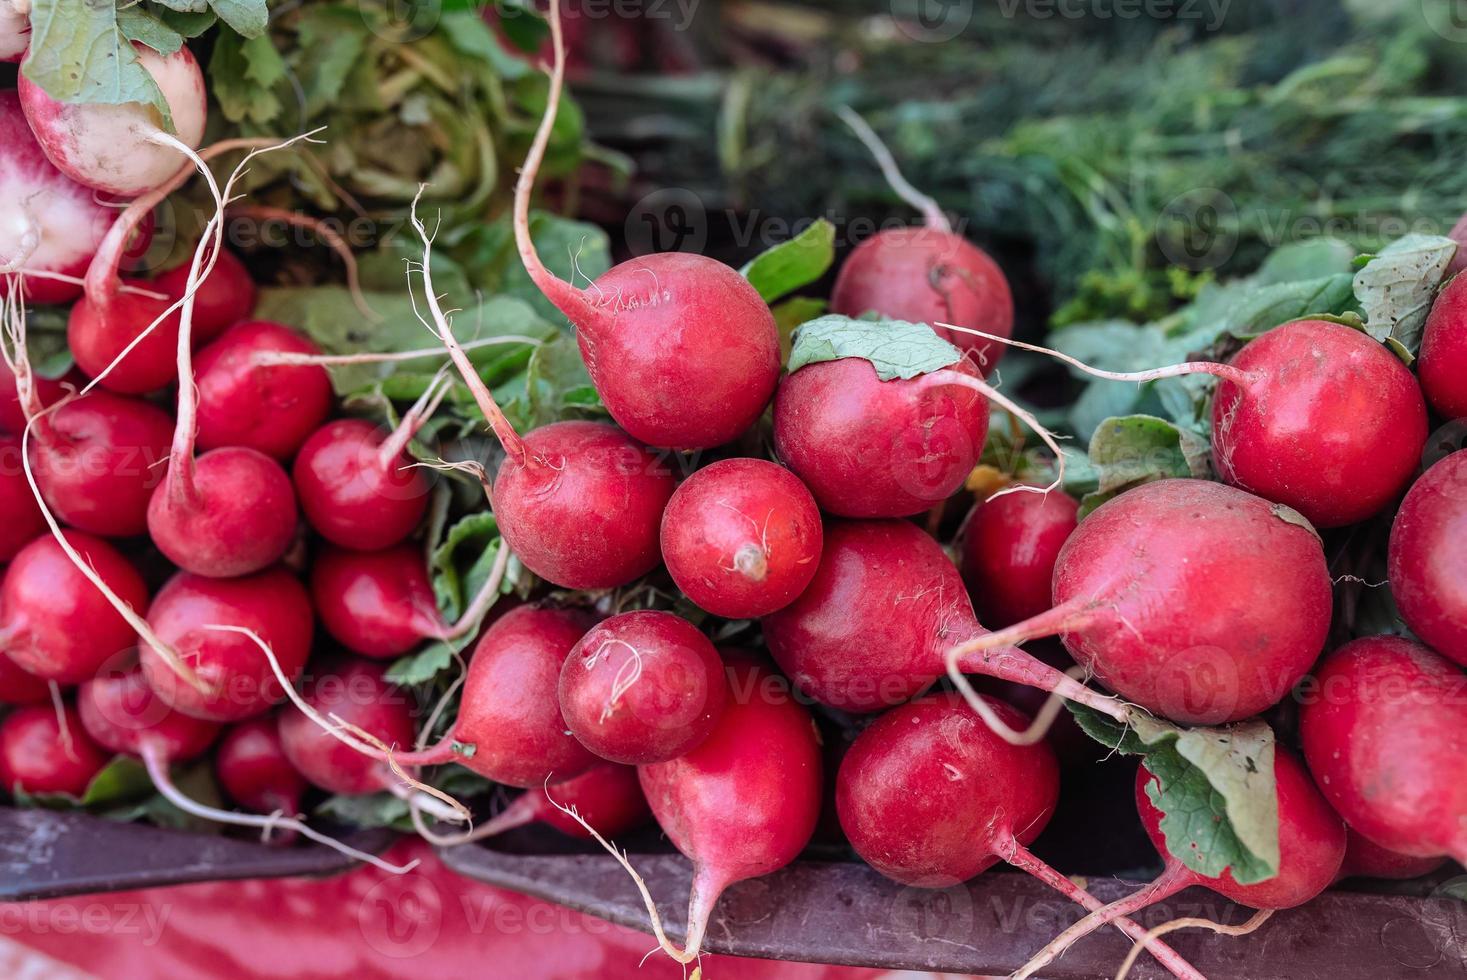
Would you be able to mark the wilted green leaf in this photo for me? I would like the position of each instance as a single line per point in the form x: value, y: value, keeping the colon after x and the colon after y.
x: 896, y: 349
x: 1135, y: 449
x: 780, y: 270
x: 78, y: 54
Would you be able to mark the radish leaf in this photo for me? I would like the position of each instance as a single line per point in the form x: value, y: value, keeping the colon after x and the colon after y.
x: 895, y: 348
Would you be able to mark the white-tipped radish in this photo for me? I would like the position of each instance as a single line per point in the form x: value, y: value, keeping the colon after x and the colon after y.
x: 50, y: 226
x: 123, y: 149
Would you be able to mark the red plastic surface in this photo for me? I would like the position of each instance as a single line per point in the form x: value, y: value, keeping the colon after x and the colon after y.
x: 366, y: 925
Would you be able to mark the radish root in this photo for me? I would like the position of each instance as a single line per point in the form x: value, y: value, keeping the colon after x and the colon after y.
x: 276, y: 358
x: 157, y: 767
x: 932, y: 215
x: 1258, y: 919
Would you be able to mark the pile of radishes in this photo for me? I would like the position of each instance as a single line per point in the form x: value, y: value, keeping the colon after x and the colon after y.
x: 231, y: 562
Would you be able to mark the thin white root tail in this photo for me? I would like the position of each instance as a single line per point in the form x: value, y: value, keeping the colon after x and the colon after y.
x: 483, y: 601
x: 1224, y: 371
x: 1258, y: 919
x: 1036, y: 730
x: 345, y: 733
x: 931, y: 213
x: 158, y: 770
x: 297, y: 359
x: 667, y: 945
x: 412, y: 420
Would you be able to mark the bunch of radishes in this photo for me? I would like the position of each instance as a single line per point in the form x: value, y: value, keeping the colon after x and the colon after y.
x: 1192, y: 602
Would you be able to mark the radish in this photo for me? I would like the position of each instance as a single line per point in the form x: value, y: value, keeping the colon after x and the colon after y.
x: 18, y: 686
x: 682, y: 349
x: 205, y: 620
x: 579, y: 503
x: 1311, y: 851
x: 229, y: 512
x: 1427, y: 558
x: 924, y: 275
x: 607, y: 797
x: 1248, y: 601
x: 123, y: 714
x: 253, y: 769
x: 509, y: 726
x: 53, y: 622
x: 642, y: 687
x: 23, y: 520
x: 50, y: 226
x: 355, y: 692
x: 1384, y: 728
x: 1009, y: 547
x: 95, y: 461
x: 357, y: 487
x: 1442, y: 364
x: 742, y: 804
x: 930, y: 797
x: 1312, y: 414
x: 272, y: 409
x: 12, y: 414
x: 873, y: 448
x: 381, y: 604
x: 122, y: 149
x: 872, y: 628
x: 1364, y: 859
x: 44, y: 752
x: 224, y: 297
x: 741, y: 537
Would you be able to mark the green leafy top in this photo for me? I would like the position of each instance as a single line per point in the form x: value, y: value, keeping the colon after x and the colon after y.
x: 1396, y: 287
x: 896, y: 349
x: 778, y: 271
x: 1214, y: 786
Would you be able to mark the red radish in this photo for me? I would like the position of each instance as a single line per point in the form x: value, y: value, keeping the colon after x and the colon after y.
x: 1360, y: 412
x: 742, y: 804
x: 356, y: 692
x: 509, y: 725
x: 23, y: 519
x: 608, y: 797
x: 15, y: 31
x: 227, y: 513
x: 873, y: 448
x: 930, y: 797
x: 376, y: 603
x: 642, y: 687
x: 50, y: 226
x: 18, y: 686
x: 39, y: 756
x: 1009, y: 549
x: 224, y: 297
x: 579, y: 503
x: 1384, y: 729
x: 96, y: 459
x: 1427, y: 559
x: 1442, y: 364
x: 1364, y: 859
x: 12, y: 413
x: 682, y: 349
x: 1311, y: 851
x: 926, y: 274
x: 54, y: 623
x: 380, y: 603
x: 202, y: 619
x: 357, y: 487
x: 1458, y: 234
x: 122, y: 714
x: 872, y: 628
x: 253, y: 769
x: 1248, y: 601
x: 272, y: 409
x: 121, y: 149
x: 741, y: 537
x: 120, y: 711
